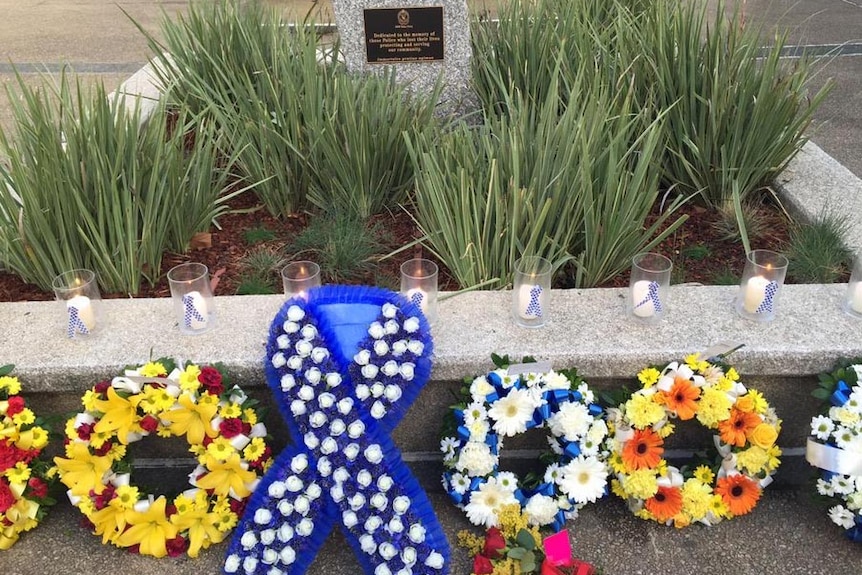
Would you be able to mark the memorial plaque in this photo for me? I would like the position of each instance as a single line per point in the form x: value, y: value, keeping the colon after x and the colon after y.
x: 397, y: 35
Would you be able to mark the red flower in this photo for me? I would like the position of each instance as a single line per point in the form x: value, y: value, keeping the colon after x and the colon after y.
x: 102, y: 387
x: 230, y: 428
x: 7, y: 498
x: 238, y: 506
x: 210, y: 379
x: 85, y: 430
x: 149, y: 423
x: 9, y: 455
x: 176, y: 546
x: 494, y: 543
x: 38, y: 488
x: 103, y: 451
x: 15, y: 405
x: 482, y: 565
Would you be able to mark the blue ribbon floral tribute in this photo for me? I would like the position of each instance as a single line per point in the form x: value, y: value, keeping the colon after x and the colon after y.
x: 344, y: 366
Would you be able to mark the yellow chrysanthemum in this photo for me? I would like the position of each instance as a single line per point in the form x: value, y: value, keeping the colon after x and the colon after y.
x: 230, y: 411
x: 714, y: 407
x: 643, y: 412
x: 617, y: 489
x: 732, y: 374
x: 773, y: 462
x: 695, y: 499
x: 10, y: 384
x: 250, y: 416
x: 220, y: 449
x: 127, y: 496
x: 152, y: 369
x: 644, y: 514
x: 718, y: 507
x: 704, y: 474
x: 649, y: 376
x: 89, y: 400
x: 70, y: 430
x: 753, y: 460
x: 183, y: 504
x: 760, y: 403
x: 98, y: 438
x: 724, y: 384
x: 255, y: 449
x: 18, y: 474
x: 189, y: 378
x: 665, y: 430
x: 155, y: 400
x: 24, y: 417
x: 695, y: 363
x: 641, y: 484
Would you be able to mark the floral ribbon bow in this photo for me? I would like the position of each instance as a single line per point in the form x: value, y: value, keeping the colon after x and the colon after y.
x: 344, y: 367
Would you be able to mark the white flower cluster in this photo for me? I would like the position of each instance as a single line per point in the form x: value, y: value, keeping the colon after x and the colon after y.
x: 843, y: 429
x: 516, y: 404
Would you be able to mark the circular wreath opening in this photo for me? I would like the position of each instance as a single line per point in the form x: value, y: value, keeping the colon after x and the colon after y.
x: 223, y: 432
x: 501, y: 405
x: 745, y: 432
x: 835, y: 446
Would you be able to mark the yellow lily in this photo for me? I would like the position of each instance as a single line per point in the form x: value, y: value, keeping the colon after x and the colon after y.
x: 120, y: 414
x: 226, y: 475
x: 192, y: 419
x: 82, y: 471
x: 201, y: 526
x: 150, y: 529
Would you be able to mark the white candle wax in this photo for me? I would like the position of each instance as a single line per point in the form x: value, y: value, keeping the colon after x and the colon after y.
x: 196, y: 313
x: 754, y: 293
x: 85, y: 310
x: 640, y: 295
x: 856, y: 297
x: 419, y: 297
x: 530, y: 304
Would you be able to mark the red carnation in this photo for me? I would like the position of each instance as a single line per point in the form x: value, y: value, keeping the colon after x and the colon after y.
x: 7, y: 498
x: 176, y: 546
x: 230, y: 428
x: 103, y: 451
x: 210, y: 379
x: 149, y: 423
x: 38, y: 488
x: 9, y: 455
x: 85, y: 430
x: 102, y: 387
x: 16, y: 405
x: 482, y: 565
x: 494, y: 543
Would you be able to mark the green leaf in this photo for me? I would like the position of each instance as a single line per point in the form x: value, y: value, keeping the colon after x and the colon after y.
x: 821, y: 394
x: 525, y: 540
x: 517, y: 553
x: 6, y: 369
x: 502, y: 362
x: 528, y: 563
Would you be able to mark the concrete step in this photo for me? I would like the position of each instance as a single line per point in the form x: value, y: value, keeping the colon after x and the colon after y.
x: 786, y: 534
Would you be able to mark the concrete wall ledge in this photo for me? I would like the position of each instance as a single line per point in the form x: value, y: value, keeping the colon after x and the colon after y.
x: 588, y: 330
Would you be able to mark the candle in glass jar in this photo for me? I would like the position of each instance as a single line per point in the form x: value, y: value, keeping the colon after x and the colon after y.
x: 80, y: 309
x: 754, y: 293
x: 530, y: 300
x: 856, y: 298
x: 642, y: 301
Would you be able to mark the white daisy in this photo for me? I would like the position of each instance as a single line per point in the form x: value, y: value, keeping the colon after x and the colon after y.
x: 821, y: 427
x: 554, y: 445
x: 552, y: 473
x: 843, y: 436
x: 583, y: 479
x: 486, y: 502
x: 572, y: 421
x: 480, y: 388
x: 448, y: 446
x: 854, y: 501
x: 825, y: 488
x: 512, y: 413
x: 842, y: 485
x: 474, y: 411
x: 460, y: 483
x: 479, y: 430
x: 541, y: 510
x: 508, y: 480
x: 842, y: 517
x: 586, y: 393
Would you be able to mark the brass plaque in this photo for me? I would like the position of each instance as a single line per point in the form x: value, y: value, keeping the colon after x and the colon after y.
x: 394, y: 35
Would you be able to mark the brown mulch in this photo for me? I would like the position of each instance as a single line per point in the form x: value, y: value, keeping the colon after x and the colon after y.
x: 697, y: 249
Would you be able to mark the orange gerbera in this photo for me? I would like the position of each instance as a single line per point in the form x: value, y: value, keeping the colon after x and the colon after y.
x: 682, y: 398
x: 735, y: 429
x: 739, y: 493
x: 665, y: 504
x: 643, y: 450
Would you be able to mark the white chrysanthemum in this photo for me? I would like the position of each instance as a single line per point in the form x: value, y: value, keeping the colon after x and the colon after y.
x: 554, y: 380
x: 479, y: 430
x: 825, y: 488
x: 474, y: 411
x: 486, y: 502
x: 842, y: 485
x: 822, y: 427
x: 571, y: 421
x: 512, y: 413
x: 586, y: 393
x: 584, y: 479
x: 598, y: 431
x: 541, y: 510
x: 480, y: 388
x: 476, y: 459
x: 842, y: 516
x: 843, y: 436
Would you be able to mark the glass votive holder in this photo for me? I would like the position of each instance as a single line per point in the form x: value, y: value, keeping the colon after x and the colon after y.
x: 192, y: 296
x: 419, y: 285
x: 299, y: 277
x: 853, y: 296
x: 531, y: 291
x: 78, y: 291
x: 649, y: 287
x: 761, y: 282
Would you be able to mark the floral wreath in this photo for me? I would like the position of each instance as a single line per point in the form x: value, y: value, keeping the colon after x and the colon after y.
x: 223, y: 432
x: 712, y: 393
x: 509, y: 401
x: 835, y: 445
x: 25, y: 476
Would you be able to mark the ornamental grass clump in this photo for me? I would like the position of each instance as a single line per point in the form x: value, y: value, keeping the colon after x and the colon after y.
x: 88, y: 184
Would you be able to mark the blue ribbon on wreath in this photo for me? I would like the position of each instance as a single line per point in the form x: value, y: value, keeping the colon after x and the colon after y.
x: 841, y: 394
x: 343, y: 465
x: 855, y: 532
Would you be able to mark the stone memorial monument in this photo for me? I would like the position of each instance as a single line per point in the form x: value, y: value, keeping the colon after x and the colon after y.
x: 425, y: 41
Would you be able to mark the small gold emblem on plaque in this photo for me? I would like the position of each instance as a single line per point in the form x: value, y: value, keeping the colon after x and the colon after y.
x: 403, y: 17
